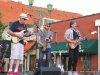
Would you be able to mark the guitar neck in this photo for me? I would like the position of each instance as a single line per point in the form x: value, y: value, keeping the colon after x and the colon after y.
x: 27, y: 33
x: 83, y: 37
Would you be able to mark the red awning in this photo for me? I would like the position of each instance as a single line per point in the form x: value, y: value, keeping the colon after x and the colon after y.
x: 29, y: 45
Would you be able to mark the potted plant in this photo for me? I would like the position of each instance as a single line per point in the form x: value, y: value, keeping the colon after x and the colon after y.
x: 88, y: 69
x: 83, y: 68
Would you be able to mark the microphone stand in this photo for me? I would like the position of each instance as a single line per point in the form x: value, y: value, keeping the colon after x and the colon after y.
x: 32, y: 17
x: 36, y: 40
x: 86, y: 46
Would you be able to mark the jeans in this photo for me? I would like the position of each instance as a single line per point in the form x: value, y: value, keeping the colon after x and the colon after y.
x: 73, y: 54
x: 41, y: 55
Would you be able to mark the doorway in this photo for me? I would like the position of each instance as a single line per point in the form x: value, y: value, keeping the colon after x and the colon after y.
x: 32, y: 62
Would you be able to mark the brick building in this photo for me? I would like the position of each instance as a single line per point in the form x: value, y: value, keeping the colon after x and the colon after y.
x: 87, y: 25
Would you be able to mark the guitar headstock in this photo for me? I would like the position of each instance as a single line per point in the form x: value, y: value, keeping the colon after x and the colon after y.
x: 93, y: 32
x: 60, y: 53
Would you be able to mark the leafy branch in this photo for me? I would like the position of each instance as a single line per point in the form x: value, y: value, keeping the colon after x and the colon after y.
x: 1, y: 25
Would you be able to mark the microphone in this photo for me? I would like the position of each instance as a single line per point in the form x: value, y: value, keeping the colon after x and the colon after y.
x: 77, y: 25
x: 29, y: 14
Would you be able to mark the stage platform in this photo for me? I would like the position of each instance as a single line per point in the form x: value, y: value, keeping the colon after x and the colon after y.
x: 65, y: 73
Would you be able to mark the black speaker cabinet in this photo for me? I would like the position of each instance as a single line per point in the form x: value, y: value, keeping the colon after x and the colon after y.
x: 47, y: 71
x: 3, y: 46
x: 3, y: 73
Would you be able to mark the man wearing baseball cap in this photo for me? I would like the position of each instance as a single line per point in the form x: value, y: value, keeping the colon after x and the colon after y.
x: 17, y: 49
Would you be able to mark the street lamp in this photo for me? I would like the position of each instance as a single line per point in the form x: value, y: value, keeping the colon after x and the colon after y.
x: 49, y: 7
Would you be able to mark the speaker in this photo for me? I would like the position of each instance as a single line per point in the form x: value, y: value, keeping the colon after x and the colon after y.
x: 47, y: 71
x: 3, y: 73
x: 3, y: 47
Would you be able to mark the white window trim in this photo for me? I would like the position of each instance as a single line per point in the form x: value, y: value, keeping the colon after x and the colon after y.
x: 49, y: 19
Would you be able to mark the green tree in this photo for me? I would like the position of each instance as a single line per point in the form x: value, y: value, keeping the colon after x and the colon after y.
x: 1, y: 25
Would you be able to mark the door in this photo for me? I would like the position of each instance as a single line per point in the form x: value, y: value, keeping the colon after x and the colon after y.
x: 32, y: 62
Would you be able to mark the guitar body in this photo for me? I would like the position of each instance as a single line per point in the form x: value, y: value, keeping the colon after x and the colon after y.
x: 72, y: 45
x: 16, y: 39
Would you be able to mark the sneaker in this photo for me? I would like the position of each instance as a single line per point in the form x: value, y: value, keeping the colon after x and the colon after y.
x: 75, y: 73
x: 10, y: 73
x: 18, y: 73
x: 69, y: 73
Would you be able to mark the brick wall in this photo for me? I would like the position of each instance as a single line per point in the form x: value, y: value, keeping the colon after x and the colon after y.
x: 94, y: 62
x: 11, y: 11
x: 79, y: 63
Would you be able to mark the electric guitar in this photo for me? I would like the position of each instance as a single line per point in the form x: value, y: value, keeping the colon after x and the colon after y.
x: 2, y: 63
x: 72, y: 45
x: 16, y: 39
x: 61, y: 66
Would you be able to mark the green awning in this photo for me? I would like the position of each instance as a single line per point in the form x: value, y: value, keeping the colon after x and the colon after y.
x: 92, y: 47
x: 55, y: 48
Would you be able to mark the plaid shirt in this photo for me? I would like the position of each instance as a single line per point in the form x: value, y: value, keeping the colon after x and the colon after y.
x: 69, y: 34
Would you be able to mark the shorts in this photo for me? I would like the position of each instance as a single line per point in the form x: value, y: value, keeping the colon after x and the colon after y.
x: 17, y: 51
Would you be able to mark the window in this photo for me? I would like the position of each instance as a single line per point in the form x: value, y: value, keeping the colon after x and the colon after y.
x: 47, y: 21
x: 87, y: 63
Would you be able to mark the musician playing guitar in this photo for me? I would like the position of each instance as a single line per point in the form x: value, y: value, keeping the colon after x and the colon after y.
x: 17, y: 49
x: 70, y: 35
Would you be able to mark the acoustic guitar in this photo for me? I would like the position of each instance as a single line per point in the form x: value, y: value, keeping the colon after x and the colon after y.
x: 16, y: 39
x: 73, y: 45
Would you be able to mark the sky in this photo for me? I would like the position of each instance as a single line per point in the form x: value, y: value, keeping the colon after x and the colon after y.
x: 83, y: 7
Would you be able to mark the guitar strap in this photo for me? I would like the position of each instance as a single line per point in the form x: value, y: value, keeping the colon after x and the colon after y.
x: 77, y: 33
x: 25, y: 28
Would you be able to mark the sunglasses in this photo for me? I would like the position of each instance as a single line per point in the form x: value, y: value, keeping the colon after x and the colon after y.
x: 24, y: 19
x: 47, y: 25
